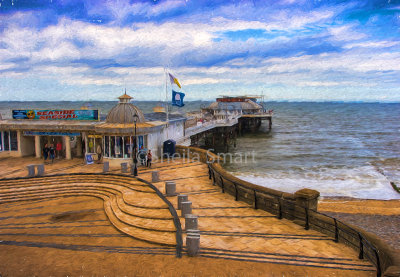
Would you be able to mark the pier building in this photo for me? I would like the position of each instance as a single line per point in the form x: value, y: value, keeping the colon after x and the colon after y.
x: 80, y: 132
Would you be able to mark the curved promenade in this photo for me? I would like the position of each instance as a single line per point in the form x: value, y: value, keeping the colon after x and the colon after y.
x: 115, y: 218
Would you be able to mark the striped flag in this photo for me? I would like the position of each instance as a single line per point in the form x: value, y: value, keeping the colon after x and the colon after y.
x: 174, y: 80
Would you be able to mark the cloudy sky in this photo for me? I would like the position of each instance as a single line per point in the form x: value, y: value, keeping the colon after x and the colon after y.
x: 285, y: 49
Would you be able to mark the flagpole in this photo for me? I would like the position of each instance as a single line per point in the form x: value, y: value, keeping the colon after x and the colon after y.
x: 166, y: 95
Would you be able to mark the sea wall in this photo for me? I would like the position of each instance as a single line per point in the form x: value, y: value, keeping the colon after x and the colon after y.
x: 300, y: 207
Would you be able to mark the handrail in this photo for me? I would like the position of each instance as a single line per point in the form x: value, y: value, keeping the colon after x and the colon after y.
x: 283, y: 204
x: 363, y: 242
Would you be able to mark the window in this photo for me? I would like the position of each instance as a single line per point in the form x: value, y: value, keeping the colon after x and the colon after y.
x: 106, y: 146
x: 9, y: 141
x: 112, y: 147
x: 14, y: 141
x: 6, y: 141
x: 122, y: 147
x: 119, y: 143
x: 127, y: 147
x: 91, y: 145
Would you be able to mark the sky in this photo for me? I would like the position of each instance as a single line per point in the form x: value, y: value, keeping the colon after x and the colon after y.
x: 286, y: 50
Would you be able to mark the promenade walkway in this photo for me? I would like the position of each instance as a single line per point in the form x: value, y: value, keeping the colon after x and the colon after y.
x: 116, y: 225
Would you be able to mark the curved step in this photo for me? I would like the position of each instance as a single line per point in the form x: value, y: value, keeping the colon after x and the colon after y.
x: 139, y: 213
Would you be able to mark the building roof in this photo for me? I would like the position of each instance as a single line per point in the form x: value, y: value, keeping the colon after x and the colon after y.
x: 162, y: 117
x: 123, y: 112
x: 125, y: 96
x: 48, y: 125
x: 245, y: 105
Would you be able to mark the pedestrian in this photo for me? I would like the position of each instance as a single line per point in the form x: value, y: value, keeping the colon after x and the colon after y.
x: 149, y: 158
x: 142, y: 155
x: 58, y: 148
x: 45, y: 151
x: 99, y: 151
x: 52, y: 152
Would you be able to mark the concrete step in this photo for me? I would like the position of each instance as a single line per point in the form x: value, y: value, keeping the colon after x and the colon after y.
x: 131, y: 206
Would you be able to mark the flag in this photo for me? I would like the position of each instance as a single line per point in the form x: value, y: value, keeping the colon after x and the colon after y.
x: 174, y: 80
x: 177, y: 98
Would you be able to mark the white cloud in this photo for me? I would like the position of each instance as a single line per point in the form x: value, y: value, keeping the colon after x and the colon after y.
x: 372, y: 44
x: 346, y: 33
x: 49, y: 53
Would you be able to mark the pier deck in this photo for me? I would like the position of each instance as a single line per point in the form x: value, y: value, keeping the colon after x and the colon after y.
x: 73, y: 234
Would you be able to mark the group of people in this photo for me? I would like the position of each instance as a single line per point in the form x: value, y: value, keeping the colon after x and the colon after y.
x: 145, y: 158
x: 49, y: 152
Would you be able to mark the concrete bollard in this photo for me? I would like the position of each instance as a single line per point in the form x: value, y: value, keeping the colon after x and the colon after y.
x: 106, y: 167
x: 192, y: 244
x: 155, y: 176
x: 191, y: 222
x: 182, y: 198
x: 31, y: 170
x: 193, y: 232
x: 124, y: 167
x: 186, y: 208
x: 170, y: 188
x: 40, y: 170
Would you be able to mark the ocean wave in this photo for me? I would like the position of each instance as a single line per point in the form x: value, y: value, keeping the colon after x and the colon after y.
x: 361, y: 182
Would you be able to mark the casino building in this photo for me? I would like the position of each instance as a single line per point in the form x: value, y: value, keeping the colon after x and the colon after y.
x: 79, y: 132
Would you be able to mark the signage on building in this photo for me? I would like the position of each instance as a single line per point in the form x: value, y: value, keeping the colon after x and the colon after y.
x: 56, y: 114
x: 33, y: 133
x: 89, y: 159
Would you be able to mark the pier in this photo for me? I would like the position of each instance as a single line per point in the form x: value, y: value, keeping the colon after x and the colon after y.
x: 223, y: 131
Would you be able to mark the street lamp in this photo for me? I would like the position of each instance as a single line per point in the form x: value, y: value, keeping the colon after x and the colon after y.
x: 135, y: 173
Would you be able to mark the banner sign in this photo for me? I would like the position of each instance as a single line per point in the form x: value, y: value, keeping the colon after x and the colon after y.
x: 56, y: 114
x: 89, y: 159
x: 33, y: 133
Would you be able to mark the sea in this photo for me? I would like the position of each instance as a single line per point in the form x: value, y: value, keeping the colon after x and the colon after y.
x: 340, y: 149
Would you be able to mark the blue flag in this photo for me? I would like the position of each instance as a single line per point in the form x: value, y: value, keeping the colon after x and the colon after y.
x: 177, y: 98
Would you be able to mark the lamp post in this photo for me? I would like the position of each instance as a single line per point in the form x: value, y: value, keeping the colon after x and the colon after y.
x: 135, y: 172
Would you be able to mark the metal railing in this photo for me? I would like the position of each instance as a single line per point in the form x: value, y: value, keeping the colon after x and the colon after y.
x: 285, y: 208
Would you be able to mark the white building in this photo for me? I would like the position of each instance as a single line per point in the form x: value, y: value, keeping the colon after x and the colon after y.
x: 115, y: 135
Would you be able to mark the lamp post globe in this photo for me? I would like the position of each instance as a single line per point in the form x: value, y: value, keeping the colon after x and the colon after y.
x: 135, y: 170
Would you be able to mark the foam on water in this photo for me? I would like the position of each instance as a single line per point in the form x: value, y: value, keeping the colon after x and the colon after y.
x: 362, y: 182
x: 339, y: 149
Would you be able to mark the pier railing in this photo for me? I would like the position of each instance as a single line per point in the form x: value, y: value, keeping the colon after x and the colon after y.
x: 300, y: 208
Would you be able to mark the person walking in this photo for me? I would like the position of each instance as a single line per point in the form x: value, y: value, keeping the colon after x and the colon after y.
x: 142, y: 156
x: 52, y: 152
x: 45, y: 151
x: 149, y: 158
x: 58, y: 148
x: 99, y: 151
